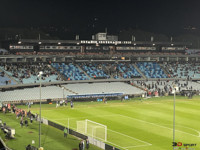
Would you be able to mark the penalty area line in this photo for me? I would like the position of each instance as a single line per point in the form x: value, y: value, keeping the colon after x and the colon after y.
x: 148, y: 144
x: 126, y: 148
x: 158, y: 125
x: 117, y: 145
x: 88, y: 117
x: 137, y: 146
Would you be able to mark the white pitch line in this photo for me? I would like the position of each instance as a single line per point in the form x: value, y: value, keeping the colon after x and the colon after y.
x: 137, y: 146
x: 130, y: 137
x: 117, y: 145
x: 60, y: 119
x: 187, y: 128
x: 158, y: 125
x: 192, y: 129
x: 87, y: 117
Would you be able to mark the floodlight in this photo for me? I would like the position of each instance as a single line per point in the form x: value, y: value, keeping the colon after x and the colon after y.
x: 40, y: 73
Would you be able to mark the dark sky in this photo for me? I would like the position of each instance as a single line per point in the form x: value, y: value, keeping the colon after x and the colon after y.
x: 160, y: 16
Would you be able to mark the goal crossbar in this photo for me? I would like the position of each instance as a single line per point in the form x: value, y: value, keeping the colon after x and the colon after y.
x: 89, y: 127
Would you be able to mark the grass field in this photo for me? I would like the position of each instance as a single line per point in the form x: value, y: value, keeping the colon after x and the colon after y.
x: 136, y: 124
x: 51, y: 138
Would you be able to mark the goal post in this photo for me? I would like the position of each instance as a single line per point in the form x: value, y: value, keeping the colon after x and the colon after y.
x: 96, y: 130
x: 93, y: 129
x: 81, y: 126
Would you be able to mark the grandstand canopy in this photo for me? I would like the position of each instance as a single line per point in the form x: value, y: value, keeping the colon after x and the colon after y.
x: 104, y: 42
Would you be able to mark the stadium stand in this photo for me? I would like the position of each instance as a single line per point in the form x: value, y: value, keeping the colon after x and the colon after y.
x: 151, y: 70
x: 127, y: 70
x: 163, y: 87
x: 184, y: 70
x: 27, y: 73
x: 50, y: 92
x: 56, y: 92
x: 81, y: 61
x: 99, y: 88
x: 94, y: 70
x: 5, y: 80
x: 70, y: 71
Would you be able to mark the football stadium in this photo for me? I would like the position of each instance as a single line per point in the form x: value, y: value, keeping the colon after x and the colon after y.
x: 99, y: 75
x: 126, y: 95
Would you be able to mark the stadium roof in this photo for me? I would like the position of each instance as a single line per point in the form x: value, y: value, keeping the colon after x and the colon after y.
x: 78, y: 42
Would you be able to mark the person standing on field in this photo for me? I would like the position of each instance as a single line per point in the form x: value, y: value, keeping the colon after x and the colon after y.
x: 72, y: 105
x: 83, y: 145
x: 87, y: 144
x: 65, y: 133
x: 80, y: 145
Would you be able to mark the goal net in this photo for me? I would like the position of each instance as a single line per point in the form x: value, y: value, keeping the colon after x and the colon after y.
x: 93, y: 129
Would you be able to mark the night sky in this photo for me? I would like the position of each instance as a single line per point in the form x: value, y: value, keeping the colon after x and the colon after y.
x: 161, y: 16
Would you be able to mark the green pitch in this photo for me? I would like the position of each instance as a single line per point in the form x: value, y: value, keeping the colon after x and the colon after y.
x: 51, y: 138
x: 136, y: 124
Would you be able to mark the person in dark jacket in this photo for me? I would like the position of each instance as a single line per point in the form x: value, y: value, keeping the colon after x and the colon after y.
x: 28, y: 147
x: 72, y: 105
x: 87, y: 144
x: 26, y: 122
x: 80, y: 145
